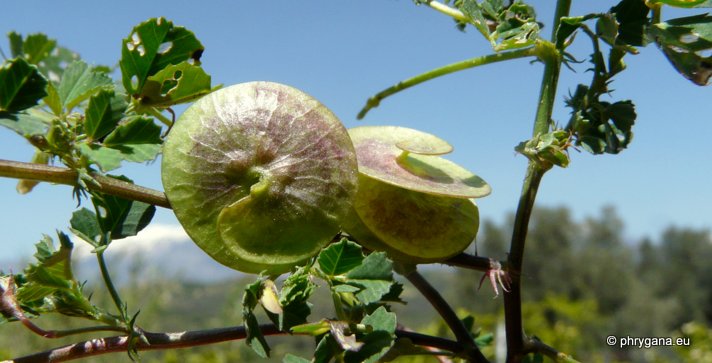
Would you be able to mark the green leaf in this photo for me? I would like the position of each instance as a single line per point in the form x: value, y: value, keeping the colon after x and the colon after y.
x: 340, y: 258
x: 103, y: 113
x: 85, y: 225
x: 34, y: 48
x: 296, y: 291
x: 136, y: 139
x: 254, y: 338
x: 175, y: 84
x: 375, y: 266
x: 80, y: 82
x: 26, y: 123
x: 137, y: 130
x: 105, y: 157
x: 291, y: 358
x: 374, y: 277
x: 684, y: 3
x: 21, y: 86
x: 121, y: 217
x: 49, y: 284
x: 632, y: 18
x: 52, y: 99
x: 326, y: 349
x: 43, y: 52
x: 379, y: 340
x: 152, y: 46
x: 687, y: 43
x: 371, y: 290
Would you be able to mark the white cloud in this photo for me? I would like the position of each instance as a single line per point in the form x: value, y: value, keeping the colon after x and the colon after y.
x: 152, y: 238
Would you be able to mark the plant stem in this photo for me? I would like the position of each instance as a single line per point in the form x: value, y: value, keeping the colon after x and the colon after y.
x: 445, y: 310
x: 158, y: 341
x: 110, y: 286
x: 374, y: 101
x: 471, y: 262
x: 536, y: 345
x: 157, y: 114
x: 451, y: 12
x: 535, y: 172
x: 53, y: 174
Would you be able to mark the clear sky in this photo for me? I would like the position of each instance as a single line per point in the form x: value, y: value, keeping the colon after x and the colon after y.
x: 342, y: 52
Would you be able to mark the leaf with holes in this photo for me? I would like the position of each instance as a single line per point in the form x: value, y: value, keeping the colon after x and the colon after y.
x: 152, y: 46
x: 175, y: 84
x: 21, y: 86
x: 687, y: 43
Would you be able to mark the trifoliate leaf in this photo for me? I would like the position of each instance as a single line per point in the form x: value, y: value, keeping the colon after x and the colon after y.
x: 80, y: 82
x: 152, y: 46
x: 21, y: 86
x: 340, y: 258
x: 601, y: 127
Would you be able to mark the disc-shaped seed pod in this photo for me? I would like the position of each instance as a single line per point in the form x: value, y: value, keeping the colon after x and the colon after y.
x: 412, y: 227
x: 260, y: 175
x: 412, y: 203
x: 408, y: 158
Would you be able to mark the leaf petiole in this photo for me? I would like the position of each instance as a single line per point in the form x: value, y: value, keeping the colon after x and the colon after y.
x: 374, y: 101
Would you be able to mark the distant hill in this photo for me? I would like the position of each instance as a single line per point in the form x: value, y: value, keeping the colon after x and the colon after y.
x: 158, y: 251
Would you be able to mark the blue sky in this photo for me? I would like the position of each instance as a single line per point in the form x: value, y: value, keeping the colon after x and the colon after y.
x: 342, y: 52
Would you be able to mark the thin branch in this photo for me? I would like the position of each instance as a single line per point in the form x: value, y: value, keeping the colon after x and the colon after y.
x: 110, y: 285
x: 448, y: 314
x: 59, y: 175
x: 449, y: 11
x: 536, y: 345
x: 374, y: 101
x: 513, y: 299
x: 160, y: 341
x: 472, y: 262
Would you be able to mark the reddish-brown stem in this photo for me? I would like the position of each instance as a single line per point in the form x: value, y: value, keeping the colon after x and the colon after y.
x: 160, y: 341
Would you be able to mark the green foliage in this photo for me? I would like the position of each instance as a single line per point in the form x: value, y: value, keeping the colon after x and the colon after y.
x: 46, y: 286
x: 21, y: 86
x: 686, y: 42
x: 505, y: 26
x: 151, y: 57
x: 76, y: 114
